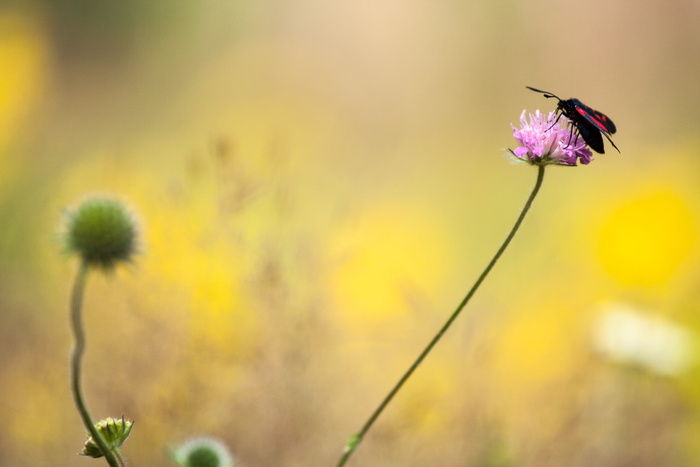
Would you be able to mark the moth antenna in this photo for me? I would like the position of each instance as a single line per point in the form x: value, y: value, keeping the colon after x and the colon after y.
x: 547, y: 94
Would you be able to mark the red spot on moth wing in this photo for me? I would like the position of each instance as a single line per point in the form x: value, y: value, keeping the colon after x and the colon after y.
x: 609, y: 125
x: 597, y: 119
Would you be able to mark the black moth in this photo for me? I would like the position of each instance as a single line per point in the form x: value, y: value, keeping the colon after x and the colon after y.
x: 589, y: 122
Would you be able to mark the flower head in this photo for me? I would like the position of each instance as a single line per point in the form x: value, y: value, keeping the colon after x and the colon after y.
x: 113, y: 431
x: 203, y: 452
x: 102, y: 232
x: 545, y: 141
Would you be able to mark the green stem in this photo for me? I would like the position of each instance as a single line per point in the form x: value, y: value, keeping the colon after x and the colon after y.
x: 356, y: 439
x: 118, y: 455
x: 76, y: 358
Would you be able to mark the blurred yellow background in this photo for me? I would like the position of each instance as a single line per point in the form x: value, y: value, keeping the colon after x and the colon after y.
x: 317, y: 186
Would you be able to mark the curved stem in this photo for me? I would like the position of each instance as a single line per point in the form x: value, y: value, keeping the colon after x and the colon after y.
x: 76, y: 359
x: 356, y: 439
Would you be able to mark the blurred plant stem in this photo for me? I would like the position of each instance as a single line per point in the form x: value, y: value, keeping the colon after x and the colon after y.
x: 357, y: 438
x: 118, y: 455
x: 76, y: 360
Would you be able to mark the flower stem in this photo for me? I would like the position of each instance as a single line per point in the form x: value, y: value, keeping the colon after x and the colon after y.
x: 118, y: 455
x: 76, y: 358
x: 356, y: 439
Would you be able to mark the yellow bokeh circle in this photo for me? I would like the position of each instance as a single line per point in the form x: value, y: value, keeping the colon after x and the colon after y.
x: 386, y: 256
x: 24, y: 64
x: 644, y: 241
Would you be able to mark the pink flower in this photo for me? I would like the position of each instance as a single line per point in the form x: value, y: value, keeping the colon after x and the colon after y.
x: 545, y: 141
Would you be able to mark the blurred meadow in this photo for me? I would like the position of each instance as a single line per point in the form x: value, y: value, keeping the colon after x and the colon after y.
x: 317, y: 186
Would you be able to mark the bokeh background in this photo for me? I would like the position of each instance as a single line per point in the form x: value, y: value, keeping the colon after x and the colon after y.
x: 317, y: 186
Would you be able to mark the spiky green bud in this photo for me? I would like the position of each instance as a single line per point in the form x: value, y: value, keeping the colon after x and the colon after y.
x: 102, y: 232
x: 113, y: 431
x: 203, y: 452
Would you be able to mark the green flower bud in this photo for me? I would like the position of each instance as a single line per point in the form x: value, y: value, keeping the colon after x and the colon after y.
x: 102, y: 232
x: 203, y: 452
x: 113, y: 431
